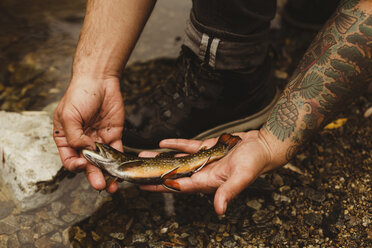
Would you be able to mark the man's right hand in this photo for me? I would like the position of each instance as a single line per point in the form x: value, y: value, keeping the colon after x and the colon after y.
x: 91, y: 110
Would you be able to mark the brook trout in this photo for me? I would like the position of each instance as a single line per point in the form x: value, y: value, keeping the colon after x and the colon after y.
x: 160, y: 169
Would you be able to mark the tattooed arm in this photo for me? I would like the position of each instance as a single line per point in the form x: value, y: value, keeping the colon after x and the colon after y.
x: 335, y: 68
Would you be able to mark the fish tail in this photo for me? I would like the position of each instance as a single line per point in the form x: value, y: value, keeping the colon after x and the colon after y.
x: 229, y: 140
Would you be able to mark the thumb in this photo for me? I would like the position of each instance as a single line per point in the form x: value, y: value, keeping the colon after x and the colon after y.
x: 230, y: 189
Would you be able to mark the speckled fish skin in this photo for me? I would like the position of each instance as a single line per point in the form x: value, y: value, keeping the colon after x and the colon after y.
x: 164, y: 166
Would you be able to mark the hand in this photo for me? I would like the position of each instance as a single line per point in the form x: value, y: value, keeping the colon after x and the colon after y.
x: 91, y: 110
x: 228, y: 176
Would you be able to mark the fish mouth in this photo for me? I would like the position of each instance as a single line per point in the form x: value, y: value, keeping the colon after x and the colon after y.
x: 99, y: 157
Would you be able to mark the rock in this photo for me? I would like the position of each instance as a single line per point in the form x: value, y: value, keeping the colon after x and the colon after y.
x: 13, y: 241
x: 44, y: 228
x: 28, y: 156
x: 277, y: 180
x: 42, y: 243
x: 212, y: 226
x: 25, y: 236
x: 57, y: 237
x: 192, y: 240
x: 281, y: 198
x: 314, y: 195
x: 313, y: 219
x: 368, y: 112
x: 117, y: 235
x: 69, y: 217
x: 139, y: 238
x: 9, y: 225
x: 110, y: 244
x: 57, y: 207
x: 6, y: 209
x: 262, y: 216
x: 255, y: 204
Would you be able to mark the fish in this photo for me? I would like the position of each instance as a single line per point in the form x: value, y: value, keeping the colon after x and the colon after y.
x: 163, y: 168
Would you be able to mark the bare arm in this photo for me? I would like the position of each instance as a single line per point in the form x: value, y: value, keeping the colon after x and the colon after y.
x: 108, y: 36
x: 335, y: 68
x: 92, y: 108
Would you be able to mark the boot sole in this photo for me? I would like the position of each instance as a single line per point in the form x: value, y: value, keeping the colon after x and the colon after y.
x: 251, y: 122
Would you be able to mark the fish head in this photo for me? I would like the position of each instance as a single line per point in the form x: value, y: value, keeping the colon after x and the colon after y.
x: 105, y: 157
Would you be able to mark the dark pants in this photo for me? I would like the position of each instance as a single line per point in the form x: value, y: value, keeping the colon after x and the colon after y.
x: 233, y: 34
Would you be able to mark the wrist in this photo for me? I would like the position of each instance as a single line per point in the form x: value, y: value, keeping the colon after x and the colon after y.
x: 277, y: 150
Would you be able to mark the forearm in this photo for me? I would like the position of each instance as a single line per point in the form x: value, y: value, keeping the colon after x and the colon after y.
x: 109, y: 33
x: 336, y: 67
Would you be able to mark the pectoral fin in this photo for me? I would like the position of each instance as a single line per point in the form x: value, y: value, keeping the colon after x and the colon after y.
x: 171, y: 185
x: 206, y: 162
x: 170, y: 173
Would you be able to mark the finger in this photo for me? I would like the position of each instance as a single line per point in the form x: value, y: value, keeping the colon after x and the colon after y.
x: 147, y: 154
x: 203, y: 182
x: 112, y: 188
x: 74, y: 133
x: 71, y: 159
x: 118, y: 145
x: 185, y: 145
x: 230, y: 189
x: 95, y: 177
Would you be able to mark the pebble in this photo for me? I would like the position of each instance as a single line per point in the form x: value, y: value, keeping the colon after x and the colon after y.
x: 57, y: 237
x: 281, y: 198
x: 139, y: 238
x: 212, y: 226
x: 6, y: 208
x: 277, y: 180
x: 368, y: 112
x: 13, y: 241
x: 9, y: 225
x: 69, y: 217
x: 42, y: 242
x: 255, y: 204
x: 44, y: 228
x: 117, y: 235
x: 262, y: 216
x: 25, y: 236
x: 313, y: 219
x: 57, y: 207
x: 110, y: 244
x: 192, y: 240
x: 314, y: 195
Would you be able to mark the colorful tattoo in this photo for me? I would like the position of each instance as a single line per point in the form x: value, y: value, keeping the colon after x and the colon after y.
x: 337, y: 65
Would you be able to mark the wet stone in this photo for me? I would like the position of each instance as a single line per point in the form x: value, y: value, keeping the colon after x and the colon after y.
x: 8, y: 225
x: 212, y: 226
x: 262, y: 216
x: 13, y: 241
x: 25, y: 236
x: 313, y: 219
x: 44, y: 228
x: 6, y: 209
x: 229, y: 243
x: 255, y: 204
x: 192, y: 240
x: 110, y: 244
x: 314, y: 195
x: 139, y: 238
x: 69, y: 217
x: 57, y: 207
x: 26, y: 219
x: 117, y: 235
x: 57, y: 237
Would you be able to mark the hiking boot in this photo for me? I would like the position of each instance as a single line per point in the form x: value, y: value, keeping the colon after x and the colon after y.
x: 199, y: 102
